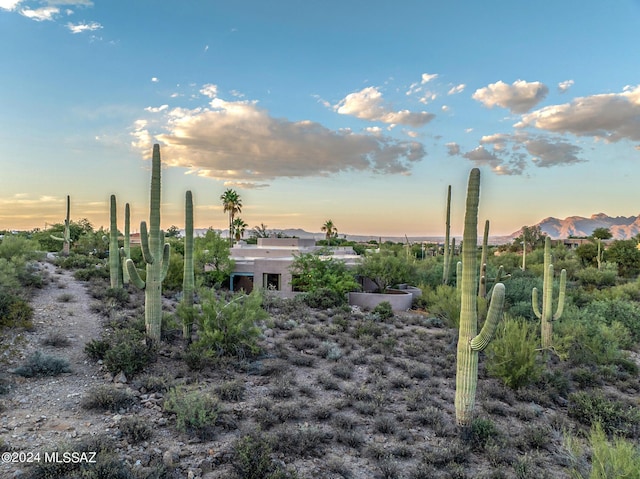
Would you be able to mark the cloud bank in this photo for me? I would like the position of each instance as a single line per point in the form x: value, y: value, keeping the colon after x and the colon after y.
x: 240, y: 143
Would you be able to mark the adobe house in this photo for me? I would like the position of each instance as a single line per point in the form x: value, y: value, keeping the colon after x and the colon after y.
x: 267, y: 264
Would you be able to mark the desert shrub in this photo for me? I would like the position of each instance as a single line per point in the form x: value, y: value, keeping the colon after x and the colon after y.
x: 135, y: 429
x: 231, y: 390
x: 230, y: 328
x: 615, y: 417
x: 77, y: 261
x: 482, y: 432
x: 56, y: 340
x: 66, y: 298
x: 251, y: 459
x: 302, y: 441
x: 128, y: 352
x: 91, y: 272
x: 107, y: 397
x: 319, y: 270
x: 119, y: 295
x: 196, y: 411
x: 15, y: 312
x: 511, y: 355
x: 609, y: 459
x: 383, y: 310
x: 152, y: 383
x: 39, y: 364
x: 323, y: 298
x: 444, y: 302
x: 518, y: 293
x: 598, y: 278
x: 616, y: 310
x: 96, y: 349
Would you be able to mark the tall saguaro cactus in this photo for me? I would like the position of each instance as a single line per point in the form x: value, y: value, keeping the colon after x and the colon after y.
x: 115, y: 264
x: 188, y: 276
x: 470, y: 343
x: 448, y: 250
x: 125, y: 251
x: 66, y: 234
x: 155, y: 253
x: 546, y: 316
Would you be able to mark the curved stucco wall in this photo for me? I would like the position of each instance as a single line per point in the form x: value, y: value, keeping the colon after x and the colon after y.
x: 400, y: 301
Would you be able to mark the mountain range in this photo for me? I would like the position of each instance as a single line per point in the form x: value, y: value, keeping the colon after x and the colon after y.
x: 622, y: 227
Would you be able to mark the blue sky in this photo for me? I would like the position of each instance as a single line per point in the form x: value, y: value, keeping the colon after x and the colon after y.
x: 359, y: 112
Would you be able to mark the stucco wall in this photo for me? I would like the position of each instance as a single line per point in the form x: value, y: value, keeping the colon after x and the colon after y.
x: 399, y: 302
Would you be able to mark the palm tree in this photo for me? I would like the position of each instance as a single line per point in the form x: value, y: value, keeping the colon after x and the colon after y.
x: 260, y: 231
x: 239, y: 227
x: 232, y: 204
x: 330, y: 230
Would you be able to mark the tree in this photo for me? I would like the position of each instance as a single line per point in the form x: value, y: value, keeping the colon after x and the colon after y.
x: 260, y: 231
x: 626, y: 254
x: 173, y: 232
x: 330, y: 230
x: 212, y: 250
x: 602, y: 233
x: 239, y: 227
x: 385, y: 269
x: 319, y: 270
x: 232, y: 204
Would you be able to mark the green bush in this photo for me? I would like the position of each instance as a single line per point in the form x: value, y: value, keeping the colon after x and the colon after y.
x: 615, y: 417
x: 618, y: 458
x: 128, y: 352
x: 107, y: 398
x: 251, y: 459
x: 383, y: 310
x: 196, y: 411
x: 620, y: 310
x: 96, y: 349
x: 512, y: 355
x: 598, y: 278
x: 135, y: 429
x: 324, y: 298
x: 444, y: 302
x: 42, y: 365
x: 230, y: 328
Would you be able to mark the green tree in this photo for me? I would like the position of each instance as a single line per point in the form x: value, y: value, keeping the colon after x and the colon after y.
x: 601, y: 233
x: 385, y: 269
x: 239, y: 227
x: 626, y: 254
x: 212, y: 251
x: 316, y: 270
x: 330, y: 230
x: 173, y: 232
x: 260, y: 231
x: 232, y: 204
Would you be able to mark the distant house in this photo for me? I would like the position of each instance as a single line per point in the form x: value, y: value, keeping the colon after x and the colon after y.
x: 267, y: 264
x: 573, y: 243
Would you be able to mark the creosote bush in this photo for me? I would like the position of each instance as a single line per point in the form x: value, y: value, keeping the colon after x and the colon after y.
x: 196, y: 411
x: 128, y: 352
x: 109, y: 398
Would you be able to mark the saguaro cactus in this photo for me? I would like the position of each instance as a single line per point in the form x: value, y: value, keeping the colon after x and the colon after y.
x: 66, y: 234
x: 448, y: 251
x: 125, y: 251
x: 546, y: 316
x: 155, y: 253
x: 469, y: 342
x: 188, y: 276
x: 115, y: 264
x: 482, y: 289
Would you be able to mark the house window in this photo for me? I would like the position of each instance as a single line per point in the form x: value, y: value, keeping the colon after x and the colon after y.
x: 271, y: 281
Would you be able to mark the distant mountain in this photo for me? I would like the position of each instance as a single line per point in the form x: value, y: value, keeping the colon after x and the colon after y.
x: 622, y: 227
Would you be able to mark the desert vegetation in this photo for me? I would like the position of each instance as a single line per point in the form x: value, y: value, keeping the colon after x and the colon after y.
x: 309, y: 387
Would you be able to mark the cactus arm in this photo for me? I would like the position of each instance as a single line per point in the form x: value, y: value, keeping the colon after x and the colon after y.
x: 459, y: 276
x: 482, y: 340
x: 534, y: 303
x: 134, y: 275
x: 482, y: 289
x: 166, y: 253
x: 115, y: 261
x: 563, y: 288
x: 144, y: 243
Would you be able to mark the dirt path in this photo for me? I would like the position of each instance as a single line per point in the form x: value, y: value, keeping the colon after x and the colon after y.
x: 42, y: 412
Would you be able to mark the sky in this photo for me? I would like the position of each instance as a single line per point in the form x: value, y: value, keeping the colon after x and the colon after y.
x: 358, y: 112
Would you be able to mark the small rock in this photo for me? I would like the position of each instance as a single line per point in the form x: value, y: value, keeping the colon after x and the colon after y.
x: 120, y: 378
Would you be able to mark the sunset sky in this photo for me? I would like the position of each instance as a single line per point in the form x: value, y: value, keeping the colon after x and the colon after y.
x: 359, y: 112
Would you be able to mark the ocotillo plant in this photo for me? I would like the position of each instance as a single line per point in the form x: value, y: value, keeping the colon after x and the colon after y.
x: 448, y: 252
x: 546, y: 316
x: 188, y: 276
x: 66, y: 235
x: 482, y: 289
x: 155, y: 253
x: 115, y: 264
x: 469, y: 342
x: 125, y: 251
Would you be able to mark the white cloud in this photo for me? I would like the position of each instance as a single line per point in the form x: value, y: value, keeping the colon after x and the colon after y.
x: 457, y: 89
x: 158, y: 109
x: 154, y: 79
x: 209, y: 90
x: 9, y: 4
x: 609, y: 116
x: 519, y: 97
x: 427, y: 77
x: 79, y: 3
x: 565, y: 85
x: 83, y: 27
x: 368, y: 104
x: 41, y: 14
x: 241, y: 143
